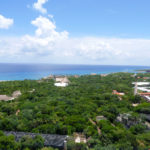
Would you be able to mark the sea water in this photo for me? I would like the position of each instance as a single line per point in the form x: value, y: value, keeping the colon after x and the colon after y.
x: 37, y: 71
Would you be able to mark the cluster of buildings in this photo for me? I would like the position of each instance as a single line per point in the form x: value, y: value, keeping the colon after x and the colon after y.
x: 142, y: 89
x: 60, y: 81
x: 63, y: 81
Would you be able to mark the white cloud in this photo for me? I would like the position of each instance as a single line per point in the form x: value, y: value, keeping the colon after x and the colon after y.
x: 46, y: 37
x: 39, y: 6
x: 5, y: 23
x: 50, y: 46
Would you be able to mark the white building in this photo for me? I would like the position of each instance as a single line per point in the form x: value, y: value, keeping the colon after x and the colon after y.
x: 140, y: 86
x: 141, y: 83
x: 144, y: 87
x: 61, y: 81
x: 61, y: 84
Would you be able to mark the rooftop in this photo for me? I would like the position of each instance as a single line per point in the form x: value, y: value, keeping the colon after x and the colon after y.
x: 50, y: 139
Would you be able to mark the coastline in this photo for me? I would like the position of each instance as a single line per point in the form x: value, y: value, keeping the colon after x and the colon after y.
x: 13, y: 72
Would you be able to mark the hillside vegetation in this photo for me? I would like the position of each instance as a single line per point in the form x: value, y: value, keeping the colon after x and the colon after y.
x: 56, y: 110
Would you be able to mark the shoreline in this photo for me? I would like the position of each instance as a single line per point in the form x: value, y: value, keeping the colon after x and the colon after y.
x: 20, y: 72
x: 67, y: 75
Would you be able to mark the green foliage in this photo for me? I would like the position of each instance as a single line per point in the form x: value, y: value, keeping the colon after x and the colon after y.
x: 144, y: 140
x: 49, y: 148
x: 135, y: 99
x: 8, y: 142
x: 55, y: 110
x: 76, y: 146
x: 137, y: 129
x: 28, y: 142
x: 143, y: 108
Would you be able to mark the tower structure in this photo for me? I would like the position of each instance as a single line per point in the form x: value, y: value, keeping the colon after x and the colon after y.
x: 135, y: 89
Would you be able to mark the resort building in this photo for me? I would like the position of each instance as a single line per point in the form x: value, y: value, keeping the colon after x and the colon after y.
x: 142, y: 89
x: 141, y: 83
x: 145, y: 96
x: 61, y: 81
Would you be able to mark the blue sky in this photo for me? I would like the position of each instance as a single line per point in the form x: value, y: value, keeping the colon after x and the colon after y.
x: 85, y: 17
x: 80, y: 31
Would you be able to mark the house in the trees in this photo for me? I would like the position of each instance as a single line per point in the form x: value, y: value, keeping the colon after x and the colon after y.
x: 50, y: 140
x: 115, y: 92
x: 61, y: 81
x: 79, y: 138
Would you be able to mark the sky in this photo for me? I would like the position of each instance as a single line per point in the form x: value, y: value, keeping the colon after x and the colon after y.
x: 103, y: 32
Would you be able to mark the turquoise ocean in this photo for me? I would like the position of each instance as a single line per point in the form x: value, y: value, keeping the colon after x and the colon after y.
x: 37, y: 71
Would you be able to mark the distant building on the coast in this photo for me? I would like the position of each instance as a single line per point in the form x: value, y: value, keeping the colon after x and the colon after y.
x: 61, y: 81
